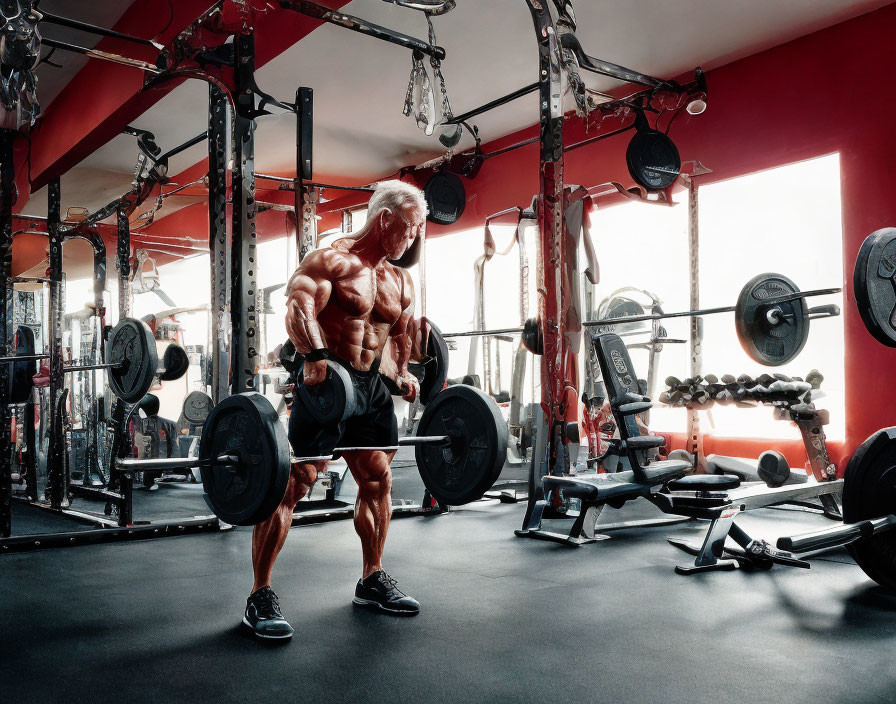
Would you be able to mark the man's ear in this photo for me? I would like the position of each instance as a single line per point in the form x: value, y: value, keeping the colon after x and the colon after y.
x: 386, y: 218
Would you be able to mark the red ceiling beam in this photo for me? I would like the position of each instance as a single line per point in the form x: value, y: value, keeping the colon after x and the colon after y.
x: 102, y: 98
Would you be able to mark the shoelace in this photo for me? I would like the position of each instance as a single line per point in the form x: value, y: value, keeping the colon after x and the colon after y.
x: 390, y: 583
x: 268, y: 605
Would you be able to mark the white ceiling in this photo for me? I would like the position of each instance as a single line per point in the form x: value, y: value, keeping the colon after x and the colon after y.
x: 360, y: 133
x: 104, y: 13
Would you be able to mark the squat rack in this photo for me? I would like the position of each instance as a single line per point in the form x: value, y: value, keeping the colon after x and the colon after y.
x: 232, y: 100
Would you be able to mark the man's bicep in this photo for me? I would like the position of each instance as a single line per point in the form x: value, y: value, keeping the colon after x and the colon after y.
x: 309, y: 292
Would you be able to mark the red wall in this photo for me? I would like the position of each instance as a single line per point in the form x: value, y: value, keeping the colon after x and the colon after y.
x: 828, y: 92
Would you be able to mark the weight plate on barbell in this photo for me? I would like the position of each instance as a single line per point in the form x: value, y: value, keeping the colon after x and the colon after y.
x: 131, y: 350
x: 777, y: 341
x: 869, y: 491
x: 874, y: 282
x: 197, y: 406
x: 435, y: 369
x: 246, y: 493
x: 464, y: 470
x: 532, y: 338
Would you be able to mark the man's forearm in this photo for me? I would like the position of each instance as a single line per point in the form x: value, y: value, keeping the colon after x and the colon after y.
x: 304, y: 330
x: 403, y: 345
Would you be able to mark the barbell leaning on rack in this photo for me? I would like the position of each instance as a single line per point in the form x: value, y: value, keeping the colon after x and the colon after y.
x: 771, y: 319
x: 131, y: 359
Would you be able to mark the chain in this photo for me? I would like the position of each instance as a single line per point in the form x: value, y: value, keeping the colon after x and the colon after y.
x: 419, y: 106
x: 437, y: 73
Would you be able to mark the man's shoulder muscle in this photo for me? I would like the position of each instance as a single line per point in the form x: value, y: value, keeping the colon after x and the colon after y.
x: 328, y: 264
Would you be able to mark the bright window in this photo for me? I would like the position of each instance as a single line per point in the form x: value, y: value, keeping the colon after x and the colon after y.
x: 785, y: 220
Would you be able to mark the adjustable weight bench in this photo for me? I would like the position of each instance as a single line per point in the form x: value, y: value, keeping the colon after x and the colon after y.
x: 719, y: 498
x: 643, y: 478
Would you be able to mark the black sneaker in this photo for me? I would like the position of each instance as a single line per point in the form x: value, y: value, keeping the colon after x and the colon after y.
x: 263, y: 615
x: 380, y: 591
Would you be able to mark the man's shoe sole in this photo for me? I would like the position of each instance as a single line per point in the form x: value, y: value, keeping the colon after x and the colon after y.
x: 259, y: 635
x: 368, y: 602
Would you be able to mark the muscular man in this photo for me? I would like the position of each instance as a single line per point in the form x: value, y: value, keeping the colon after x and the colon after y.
x: 344, y: 303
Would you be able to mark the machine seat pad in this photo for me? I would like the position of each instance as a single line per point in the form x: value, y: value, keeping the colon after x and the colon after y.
x: 705, y: 482
x: 644, y: 442
x: 600, y: 487
x: 663, y: 470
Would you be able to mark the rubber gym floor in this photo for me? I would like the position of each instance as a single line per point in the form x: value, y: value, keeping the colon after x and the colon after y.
x: 503, y: 619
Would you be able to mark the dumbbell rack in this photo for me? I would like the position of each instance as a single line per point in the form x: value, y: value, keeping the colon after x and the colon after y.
x: 791, y: 397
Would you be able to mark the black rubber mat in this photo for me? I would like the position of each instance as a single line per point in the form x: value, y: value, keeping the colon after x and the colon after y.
x: 32, y: 520
x: 503, y: 619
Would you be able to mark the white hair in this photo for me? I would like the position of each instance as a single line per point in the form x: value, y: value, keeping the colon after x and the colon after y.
x: 392, y: 195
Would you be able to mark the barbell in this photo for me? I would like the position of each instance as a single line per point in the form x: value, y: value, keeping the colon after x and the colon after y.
x: 771, y: 319
x: 244, y: 455
x: 131, y: 359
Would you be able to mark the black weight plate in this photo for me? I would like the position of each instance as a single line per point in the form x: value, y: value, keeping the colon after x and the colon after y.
x: 333, y: 399
x: 435, y: 369
x: 464, y: 470
x: 175, y: 362
x: 765, y: 342
x: 22, y: 378
x: 132, y: 348
x: 653, y: 160
x: 445, y: 198
x: 197, y: 406
x: 869, y: 491
x: 245, y: 425
x: 532, y: 338
x: 874, y: 282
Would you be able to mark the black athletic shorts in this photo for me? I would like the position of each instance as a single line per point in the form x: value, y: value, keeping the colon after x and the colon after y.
x: 372, y: 425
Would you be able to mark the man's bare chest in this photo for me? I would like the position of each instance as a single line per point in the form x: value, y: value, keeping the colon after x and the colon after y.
x: 369, y: 294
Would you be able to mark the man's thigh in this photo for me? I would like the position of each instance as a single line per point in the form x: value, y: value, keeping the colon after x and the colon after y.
x: 369, y: 465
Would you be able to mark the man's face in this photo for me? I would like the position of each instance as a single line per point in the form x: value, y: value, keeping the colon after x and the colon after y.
x: 406, y: 224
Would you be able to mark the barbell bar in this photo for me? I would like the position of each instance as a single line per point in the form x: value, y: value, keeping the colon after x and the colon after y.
x: 771, y: 326
x: 828, y: 310
x: 225, y: 461
x: 70, y: 368
x: 66, y: 367
x: 131, y: 359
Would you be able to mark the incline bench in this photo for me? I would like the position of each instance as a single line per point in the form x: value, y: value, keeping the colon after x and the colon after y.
x: 667, y: 484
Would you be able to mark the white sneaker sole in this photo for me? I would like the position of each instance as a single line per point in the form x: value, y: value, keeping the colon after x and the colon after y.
x: 367, y: 602
x: 259, y: 635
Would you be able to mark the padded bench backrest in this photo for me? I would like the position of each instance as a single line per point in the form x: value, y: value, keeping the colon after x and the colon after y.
x: 619, y: 377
